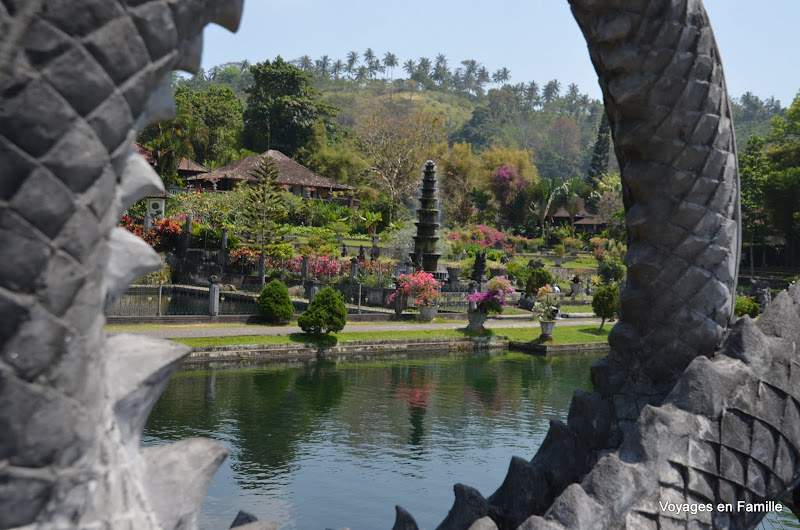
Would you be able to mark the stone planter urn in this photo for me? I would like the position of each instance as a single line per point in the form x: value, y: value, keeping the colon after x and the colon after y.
x: 497, y: 271
x: 548, y: 326
x: 558, y: 261
x: 476, y: 320
x: 453, y: 273
x: 427, y: 312
x: 576, y: 287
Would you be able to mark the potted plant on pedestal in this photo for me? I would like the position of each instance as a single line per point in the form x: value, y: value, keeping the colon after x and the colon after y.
x: 547, y: 311
x: 558, y: 255
x: 423, y: 289
x: 491, y: 301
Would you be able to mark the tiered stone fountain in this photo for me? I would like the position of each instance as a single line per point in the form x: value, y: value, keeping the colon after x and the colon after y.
x: 424, y: 256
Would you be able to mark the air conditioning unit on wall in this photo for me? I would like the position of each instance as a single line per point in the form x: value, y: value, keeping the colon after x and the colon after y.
x: 155, y: 208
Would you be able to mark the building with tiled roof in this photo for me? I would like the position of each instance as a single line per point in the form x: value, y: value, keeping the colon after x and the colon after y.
x: 292, y: 176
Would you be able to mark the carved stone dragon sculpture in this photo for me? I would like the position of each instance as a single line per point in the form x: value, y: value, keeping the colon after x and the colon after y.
x: 670, y: 419
x: 78, y: 81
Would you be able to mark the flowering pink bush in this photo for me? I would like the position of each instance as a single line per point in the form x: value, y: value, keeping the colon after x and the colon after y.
x: 421, y: 285
x: 493, y: 300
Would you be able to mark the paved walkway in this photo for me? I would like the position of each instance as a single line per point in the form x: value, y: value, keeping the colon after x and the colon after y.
x: 174, y: 332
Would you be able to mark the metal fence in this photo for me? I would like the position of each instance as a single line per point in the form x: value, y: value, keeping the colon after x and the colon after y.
x: 155, y: 300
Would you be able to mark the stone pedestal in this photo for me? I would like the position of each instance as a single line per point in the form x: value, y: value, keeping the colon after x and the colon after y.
x: 213, y: 296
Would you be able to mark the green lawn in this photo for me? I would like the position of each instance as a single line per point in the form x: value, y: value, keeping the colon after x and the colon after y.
x: 562, y: 335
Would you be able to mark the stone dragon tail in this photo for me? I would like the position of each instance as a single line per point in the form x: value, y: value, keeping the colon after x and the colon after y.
x: 671, y: 423
x: 78, y: 81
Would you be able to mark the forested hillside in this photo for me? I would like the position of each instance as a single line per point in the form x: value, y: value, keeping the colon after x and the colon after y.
x: 504, y: 148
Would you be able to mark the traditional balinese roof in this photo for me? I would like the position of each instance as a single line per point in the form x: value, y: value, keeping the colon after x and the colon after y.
x: 148, y: 156
x: 190, y: 166
x: 290, y: 173
x: 184, y: 166
x: 562, y: 213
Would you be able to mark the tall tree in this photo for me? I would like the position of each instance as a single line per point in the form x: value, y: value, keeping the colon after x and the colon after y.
x: 369, y: 56
x: 754, y: 171
x: 324, y: 66
x: 352, y: 61
x: 171, y: 140
x: 552, y: 90
x: 282, y: 107
x: 410, y: 66
x: 337, y: 68
x: 220, y: 111
x: 546, y: 197
x: 395, y: 147
x: 602, y: 147
x: 532, y: 96
x: 390, y: 62
x: 263, y: 210
x: 305, y: 63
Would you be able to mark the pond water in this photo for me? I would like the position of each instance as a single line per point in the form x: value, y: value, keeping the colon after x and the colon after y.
x: 331, y: 445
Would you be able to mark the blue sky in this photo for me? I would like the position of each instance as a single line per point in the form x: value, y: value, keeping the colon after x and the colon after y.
x: 535, y: 39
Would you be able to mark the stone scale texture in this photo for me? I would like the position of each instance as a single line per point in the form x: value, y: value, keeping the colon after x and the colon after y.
x: 670, y: 420
x: 78, y: 81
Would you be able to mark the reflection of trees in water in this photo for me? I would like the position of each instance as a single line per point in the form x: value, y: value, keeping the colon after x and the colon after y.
x: 413, y: 385
x: 266, y: 414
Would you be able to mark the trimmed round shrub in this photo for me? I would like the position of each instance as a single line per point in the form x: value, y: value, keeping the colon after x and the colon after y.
x: 746, y: 306
x: 605, y: 302
x: 612, y: 271
x: 274, y: 303
x: 325, y: 313
x: 538, y: 278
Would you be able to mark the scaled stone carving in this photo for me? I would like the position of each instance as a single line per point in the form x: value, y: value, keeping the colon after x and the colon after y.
x: 78, y: 80
x: 670, y: 421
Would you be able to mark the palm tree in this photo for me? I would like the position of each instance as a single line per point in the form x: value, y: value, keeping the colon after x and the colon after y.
x: 424, y: 66
x: 374, y: 66
x: 305, y: 63
x: 532, y: 94
x: 390, y: 61
x: 410, y: 66
x: 551, y: 91
x: 323, y: 66
x: 441, y: 60
x: 547, y: 196
x: 337, y: 68
x: 352, y: 61
x: 482, y: 78
x: 369, y: 56
x: 362, y: 73
x: 573, y: 192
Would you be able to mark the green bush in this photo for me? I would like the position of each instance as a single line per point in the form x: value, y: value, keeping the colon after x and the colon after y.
x: 274, y: 303
x: 746, y: 306
x: 612, y: 271
x: 204, y: 236
x: 538, y: 278
x: 605, y: 302
x: 325, y: 313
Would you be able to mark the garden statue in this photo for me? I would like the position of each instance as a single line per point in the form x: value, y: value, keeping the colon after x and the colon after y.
x: 673, y: 420
x: 479, y: 269
x: 362, y: 255
x: 374, y: 253
x: 344, y: 250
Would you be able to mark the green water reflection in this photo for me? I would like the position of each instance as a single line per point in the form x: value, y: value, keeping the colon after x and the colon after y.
x: 332, y: 445
x: 335, y: 444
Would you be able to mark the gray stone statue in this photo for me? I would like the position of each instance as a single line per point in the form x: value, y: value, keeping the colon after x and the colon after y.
x: 78, y: 81
x: 673, y: 418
